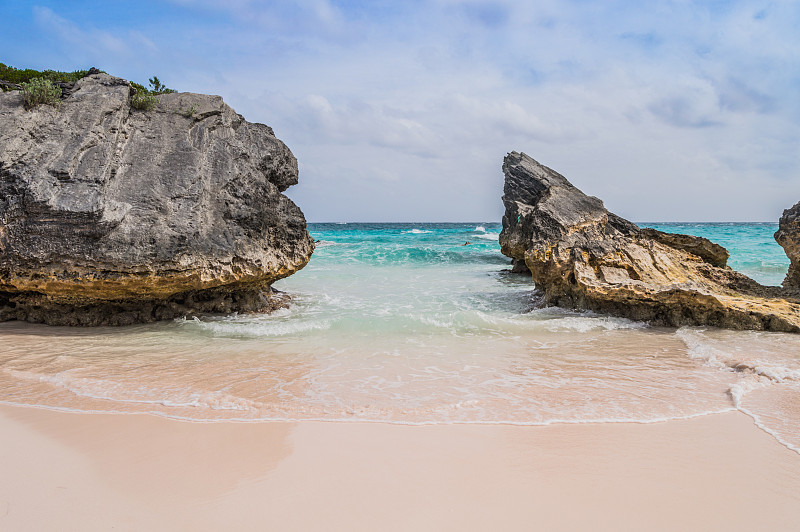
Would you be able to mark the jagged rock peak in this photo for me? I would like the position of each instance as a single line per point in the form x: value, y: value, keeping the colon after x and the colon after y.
x: 112, y: 215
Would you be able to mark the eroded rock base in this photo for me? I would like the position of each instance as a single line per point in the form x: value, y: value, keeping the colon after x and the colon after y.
x: 37, y: 308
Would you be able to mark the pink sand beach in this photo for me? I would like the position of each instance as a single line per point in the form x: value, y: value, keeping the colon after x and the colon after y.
x: 71, y: 471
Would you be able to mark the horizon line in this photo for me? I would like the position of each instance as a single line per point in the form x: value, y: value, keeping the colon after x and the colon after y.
x: 499, y: 222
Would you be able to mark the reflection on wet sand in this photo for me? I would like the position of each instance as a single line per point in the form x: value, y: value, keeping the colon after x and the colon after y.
x: 157, y: 460
x: 139, y: 472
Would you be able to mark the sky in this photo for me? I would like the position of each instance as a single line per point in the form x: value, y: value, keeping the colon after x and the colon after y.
x: 403, y: 110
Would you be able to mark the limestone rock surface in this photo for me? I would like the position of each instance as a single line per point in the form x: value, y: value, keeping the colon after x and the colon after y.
x: 583, y: 256
x: 111, y: 215
x: 788, y: 236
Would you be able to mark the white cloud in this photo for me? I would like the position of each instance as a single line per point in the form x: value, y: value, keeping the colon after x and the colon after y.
x: 72, y: 34
x: 361, y: 123
x: 86, y: 44
x: 403, y: 110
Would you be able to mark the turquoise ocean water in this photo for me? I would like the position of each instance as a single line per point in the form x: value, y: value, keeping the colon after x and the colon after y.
x: 403, y: 323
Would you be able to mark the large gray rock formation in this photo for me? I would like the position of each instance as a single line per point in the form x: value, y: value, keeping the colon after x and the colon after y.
x: 582, y: 256
x: 788, y: 236
x: 110, y: 215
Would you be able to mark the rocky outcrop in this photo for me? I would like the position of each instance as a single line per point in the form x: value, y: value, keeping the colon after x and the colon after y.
x: 110, y: 215
x: 582, y: 256
x: 788, y: 236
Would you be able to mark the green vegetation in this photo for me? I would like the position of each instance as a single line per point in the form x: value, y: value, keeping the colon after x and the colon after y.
x: 187, y: 113
x: 145, y: 99
x: 158, y: 87
x: 40, y: 87
x: 41, y: 91
x: 18, y: 76
x: 142, y: 99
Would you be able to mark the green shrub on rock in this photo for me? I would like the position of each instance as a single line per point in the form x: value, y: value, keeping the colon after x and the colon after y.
x: 19, y: 75
x: 145, y: 99
x: 158, y: 87
x: 41, y: 91
x: 142, y: 99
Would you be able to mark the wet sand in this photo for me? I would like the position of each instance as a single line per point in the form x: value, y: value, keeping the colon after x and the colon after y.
x: 70, y: 471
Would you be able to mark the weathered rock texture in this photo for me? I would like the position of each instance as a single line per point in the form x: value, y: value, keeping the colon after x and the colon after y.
x: 788, y: 236
x: 582, y: 256
x: 109, y: 215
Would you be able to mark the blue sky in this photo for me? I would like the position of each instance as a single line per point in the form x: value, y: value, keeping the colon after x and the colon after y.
x: 402, y: 111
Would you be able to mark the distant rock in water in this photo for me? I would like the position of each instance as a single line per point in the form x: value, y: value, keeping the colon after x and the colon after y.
x: 111, y: 215
x: 788, y: 236
x: 582, y: 256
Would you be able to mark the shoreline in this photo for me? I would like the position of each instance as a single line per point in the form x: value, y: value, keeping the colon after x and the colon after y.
x: 131, y: 472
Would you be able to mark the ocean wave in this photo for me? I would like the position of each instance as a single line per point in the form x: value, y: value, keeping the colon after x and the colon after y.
x: 738, y: 390
x: 361, y: 416
x: 480, y: 229
x: 327, y: 243
x: 578, y: 324
x: 762, y: 363
x: 698, y: 349
x: 756, y: 356
x: 554, y: 319
x: 120, y: 392
x: 477, y: 322
x: 416, y: 232
x: 258, y: 327
x: 427, y: 255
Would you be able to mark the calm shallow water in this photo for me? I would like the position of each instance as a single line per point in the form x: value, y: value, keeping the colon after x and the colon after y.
x: 403, y: 323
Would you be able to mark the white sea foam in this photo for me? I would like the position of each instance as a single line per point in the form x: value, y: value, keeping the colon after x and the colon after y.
x: 480, y: 229
x: 738, y: 390
x: 586, y: 324
x: 760, y: 362
x: 774, y: 433
x: 416, y: 232
x: 489, y: 236
x: 261, y: 327
x: 433, y: 321
x: 121, y: 392
x: 354, y: 417
x: 777, y: 373
x: 736, y: 355
x: 701, y: 350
